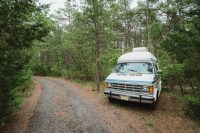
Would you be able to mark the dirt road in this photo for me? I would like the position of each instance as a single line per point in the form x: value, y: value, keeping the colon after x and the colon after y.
x: 66, y: 107
x: 62, y: 109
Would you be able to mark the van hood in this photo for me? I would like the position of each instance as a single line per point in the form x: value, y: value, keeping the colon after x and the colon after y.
x: 135, y: 78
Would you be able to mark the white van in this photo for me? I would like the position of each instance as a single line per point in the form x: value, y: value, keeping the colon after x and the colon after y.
x: 136, y: 77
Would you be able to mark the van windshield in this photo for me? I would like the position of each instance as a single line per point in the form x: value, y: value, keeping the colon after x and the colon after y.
x: 134, y: 67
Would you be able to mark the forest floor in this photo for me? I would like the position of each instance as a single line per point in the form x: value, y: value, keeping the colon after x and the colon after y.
x: 61, y: 106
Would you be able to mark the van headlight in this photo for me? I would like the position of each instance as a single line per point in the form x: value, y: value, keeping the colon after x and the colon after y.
x: 108, y: 85
x: 146, y: 88
x: 150, y: 89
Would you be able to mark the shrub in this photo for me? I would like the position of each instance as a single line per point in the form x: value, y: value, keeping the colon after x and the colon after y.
x: 2, y: 122
x: 194, y: 104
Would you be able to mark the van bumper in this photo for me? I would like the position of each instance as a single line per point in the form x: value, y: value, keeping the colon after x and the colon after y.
x: 133, y: 96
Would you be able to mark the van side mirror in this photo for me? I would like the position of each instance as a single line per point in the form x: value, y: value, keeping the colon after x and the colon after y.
x: 150, y: 69
x: 159, y: 71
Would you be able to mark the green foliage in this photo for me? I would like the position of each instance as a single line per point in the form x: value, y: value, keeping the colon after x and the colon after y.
x: 13, y: 74
x: 70, y: 50
x: 194, y: 104
x: 21, y: 22
x: 181, y: 42
x: 2, y: 122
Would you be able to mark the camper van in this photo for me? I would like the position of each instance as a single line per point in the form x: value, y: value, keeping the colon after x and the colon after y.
x: 136, y: 77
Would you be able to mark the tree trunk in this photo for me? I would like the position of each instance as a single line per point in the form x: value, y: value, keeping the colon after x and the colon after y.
x: 148, y: 29
x: 97, y: 27
x: 97, y: 61
x: 171, y: 86
x: 180, y: 84
x: 193, y: 91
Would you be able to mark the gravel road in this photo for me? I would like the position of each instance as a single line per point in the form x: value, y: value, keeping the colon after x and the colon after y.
x: 61, y: 109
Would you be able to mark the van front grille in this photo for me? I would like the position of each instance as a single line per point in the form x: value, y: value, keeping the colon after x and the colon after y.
x: 129, y: 87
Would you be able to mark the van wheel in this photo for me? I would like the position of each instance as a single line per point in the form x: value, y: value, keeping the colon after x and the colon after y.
x: 155, y: 103
x: 111, y: 99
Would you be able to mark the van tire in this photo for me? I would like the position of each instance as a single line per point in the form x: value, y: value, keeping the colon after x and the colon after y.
x: 155, y: 103
x: 111, y: 99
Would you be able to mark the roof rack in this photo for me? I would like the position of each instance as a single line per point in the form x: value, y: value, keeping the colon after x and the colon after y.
x: 139, y: 54
x: 140, y: 49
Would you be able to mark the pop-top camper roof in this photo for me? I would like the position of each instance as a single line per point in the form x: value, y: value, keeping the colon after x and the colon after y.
x: 139, y: 54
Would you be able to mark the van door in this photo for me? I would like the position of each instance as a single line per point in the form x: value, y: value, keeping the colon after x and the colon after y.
x: 157, y: 77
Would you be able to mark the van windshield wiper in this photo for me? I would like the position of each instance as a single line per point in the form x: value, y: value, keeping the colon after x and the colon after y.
x: 120, y: 71
x: 134, y: 71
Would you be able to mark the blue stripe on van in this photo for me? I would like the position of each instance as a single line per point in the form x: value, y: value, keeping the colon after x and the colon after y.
x: 128, y: 82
